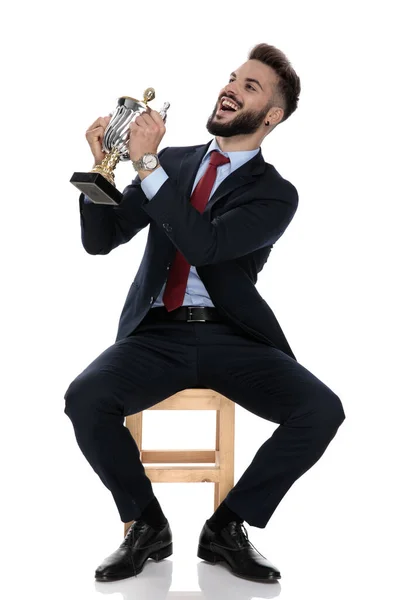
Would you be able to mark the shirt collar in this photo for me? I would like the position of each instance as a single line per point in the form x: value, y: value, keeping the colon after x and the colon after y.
x: 235, y: 157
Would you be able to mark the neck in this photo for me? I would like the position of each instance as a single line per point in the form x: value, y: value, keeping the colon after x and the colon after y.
x: 238, y: 143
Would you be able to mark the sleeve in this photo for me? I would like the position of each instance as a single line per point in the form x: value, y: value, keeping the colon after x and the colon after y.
x: 256, y: 223
x: 152, y: 183
x: 105, y: 226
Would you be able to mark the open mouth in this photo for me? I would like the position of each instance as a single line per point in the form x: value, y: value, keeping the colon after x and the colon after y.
x: 226, y: 106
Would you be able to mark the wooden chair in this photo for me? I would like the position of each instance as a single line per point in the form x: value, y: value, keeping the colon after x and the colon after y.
x: 220, y: 472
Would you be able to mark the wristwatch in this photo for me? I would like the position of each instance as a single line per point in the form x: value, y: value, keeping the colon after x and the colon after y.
x: 147, y: 162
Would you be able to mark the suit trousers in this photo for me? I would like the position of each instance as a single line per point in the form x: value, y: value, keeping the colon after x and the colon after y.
x: 158, y: 360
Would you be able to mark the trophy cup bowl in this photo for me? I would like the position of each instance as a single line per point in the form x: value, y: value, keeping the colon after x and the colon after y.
x: 99, y: 183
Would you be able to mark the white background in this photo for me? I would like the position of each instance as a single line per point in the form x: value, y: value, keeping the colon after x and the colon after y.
x: 331, y: 281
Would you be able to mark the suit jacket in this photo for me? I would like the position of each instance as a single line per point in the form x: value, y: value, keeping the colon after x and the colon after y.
x: 228, y: 243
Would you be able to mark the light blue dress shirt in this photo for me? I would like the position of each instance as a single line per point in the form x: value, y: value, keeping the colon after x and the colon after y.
x: 196, y: 294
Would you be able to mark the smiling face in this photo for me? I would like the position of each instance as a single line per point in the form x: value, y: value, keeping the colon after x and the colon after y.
x: 250, y: 89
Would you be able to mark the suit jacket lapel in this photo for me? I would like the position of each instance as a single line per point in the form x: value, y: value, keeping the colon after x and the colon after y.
x: 190, y: 164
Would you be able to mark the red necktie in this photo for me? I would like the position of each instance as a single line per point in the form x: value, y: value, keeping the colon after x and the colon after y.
x: 174, y: 292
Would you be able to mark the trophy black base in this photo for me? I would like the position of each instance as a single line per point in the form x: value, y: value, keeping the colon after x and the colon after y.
x: 97, y: 188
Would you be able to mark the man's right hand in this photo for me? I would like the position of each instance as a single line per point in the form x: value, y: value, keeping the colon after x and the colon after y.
x: 94, y: 136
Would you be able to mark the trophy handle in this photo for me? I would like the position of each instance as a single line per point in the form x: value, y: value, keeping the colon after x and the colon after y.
x: 163, y: 111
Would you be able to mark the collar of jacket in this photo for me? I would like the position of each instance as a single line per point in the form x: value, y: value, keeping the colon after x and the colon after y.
x: 247, y: 173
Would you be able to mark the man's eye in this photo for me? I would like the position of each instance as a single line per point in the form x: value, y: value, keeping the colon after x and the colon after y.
x: 250, y: 86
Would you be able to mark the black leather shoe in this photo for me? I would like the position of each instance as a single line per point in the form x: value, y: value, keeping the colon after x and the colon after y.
x: 140, y: 543
x: 232, y: 546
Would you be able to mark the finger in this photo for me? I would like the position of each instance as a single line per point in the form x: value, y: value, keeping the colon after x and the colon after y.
x: 94, y: 125
x: 136, y: 122
x: 157, y: 118
x: 146, y: 118
x: 97, y: 132
x: 143, y: 123
x: 98, y: 122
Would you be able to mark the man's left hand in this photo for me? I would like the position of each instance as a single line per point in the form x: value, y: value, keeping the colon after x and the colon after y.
x: 146, y: 133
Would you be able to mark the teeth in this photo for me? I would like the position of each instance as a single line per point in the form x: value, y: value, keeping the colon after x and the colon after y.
x: 228, y: 103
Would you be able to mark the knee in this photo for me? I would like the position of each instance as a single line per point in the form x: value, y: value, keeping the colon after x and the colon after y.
x: 71, y: 397
x: 92, y: 397
x: 333, y: 411
x: 79, y: 396
x: 325, y: 412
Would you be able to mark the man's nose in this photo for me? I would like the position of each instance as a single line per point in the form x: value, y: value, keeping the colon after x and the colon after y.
x: 232, y: 89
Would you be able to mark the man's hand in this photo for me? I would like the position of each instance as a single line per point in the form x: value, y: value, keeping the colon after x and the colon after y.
x: 94, y: 136
x: 146, y: 133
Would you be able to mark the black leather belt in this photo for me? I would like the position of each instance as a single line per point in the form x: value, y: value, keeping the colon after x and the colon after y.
x: 183, y: 313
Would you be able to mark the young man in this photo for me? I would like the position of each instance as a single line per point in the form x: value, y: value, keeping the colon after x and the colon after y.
x: 193, y: 318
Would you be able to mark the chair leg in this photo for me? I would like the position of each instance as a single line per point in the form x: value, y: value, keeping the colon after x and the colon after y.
x: 216, y: 495
x: 226, y: 446
x: 217, y: 487
x: 135, y: 425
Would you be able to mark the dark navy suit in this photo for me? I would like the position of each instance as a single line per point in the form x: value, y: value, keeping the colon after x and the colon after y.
x: 246, y: 357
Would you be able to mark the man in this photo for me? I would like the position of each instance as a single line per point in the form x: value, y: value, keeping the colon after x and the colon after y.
x: 193, y: 318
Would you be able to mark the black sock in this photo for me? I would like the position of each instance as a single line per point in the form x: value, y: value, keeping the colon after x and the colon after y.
x: 222, y: 516
x: 153, y: 515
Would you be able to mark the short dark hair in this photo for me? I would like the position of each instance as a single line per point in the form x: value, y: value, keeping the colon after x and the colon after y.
x: 287, y: 89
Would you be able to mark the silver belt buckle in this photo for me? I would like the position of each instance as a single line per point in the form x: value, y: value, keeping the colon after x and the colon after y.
x: 189, y: 320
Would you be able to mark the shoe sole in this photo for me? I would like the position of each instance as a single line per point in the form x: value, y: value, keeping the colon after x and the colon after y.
x: 157, y: 556
x: 213, y: 558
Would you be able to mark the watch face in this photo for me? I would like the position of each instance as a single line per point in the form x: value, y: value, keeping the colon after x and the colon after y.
x: 150, y: 161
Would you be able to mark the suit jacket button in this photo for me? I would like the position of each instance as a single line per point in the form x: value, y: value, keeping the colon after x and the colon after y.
x: 167, y: 226
x: 151, y: 300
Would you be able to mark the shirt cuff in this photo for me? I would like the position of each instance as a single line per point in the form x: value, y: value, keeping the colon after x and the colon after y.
x: 152, y: 183
x: 86, y: 199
